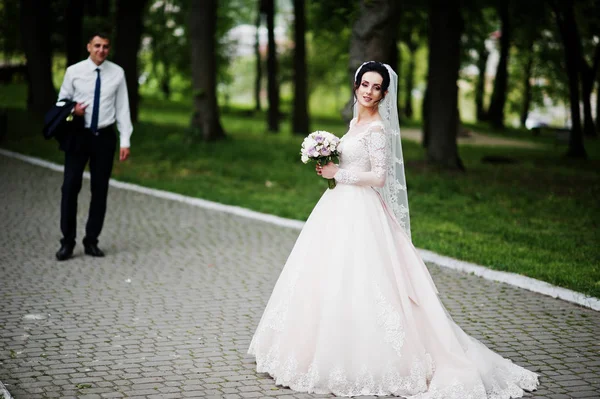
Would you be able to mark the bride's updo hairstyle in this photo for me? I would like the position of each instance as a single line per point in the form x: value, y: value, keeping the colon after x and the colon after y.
x: 373, y: 66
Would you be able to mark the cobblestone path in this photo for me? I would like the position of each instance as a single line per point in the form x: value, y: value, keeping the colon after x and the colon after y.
x: 169, y: 312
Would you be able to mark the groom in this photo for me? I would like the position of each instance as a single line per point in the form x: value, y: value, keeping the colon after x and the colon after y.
x: 98, y: 87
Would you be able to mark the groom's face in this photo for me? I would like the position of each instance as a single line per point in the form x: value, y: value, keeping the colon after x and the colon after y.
x: 98, y: 48
x: 369, y: 91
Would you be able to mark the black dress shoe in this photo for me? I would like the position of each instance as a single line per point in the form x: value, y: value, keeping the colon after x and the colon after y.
x: 65, y: 252
x: 93, y: 250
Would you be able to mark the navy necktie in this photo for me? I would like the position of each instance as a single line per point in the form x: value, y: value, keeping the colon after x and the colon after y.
x: 96, y: 108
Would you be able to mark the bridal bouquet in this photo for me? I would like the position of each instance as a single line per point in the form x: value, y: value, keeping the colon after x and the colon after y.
x: 320, y: 146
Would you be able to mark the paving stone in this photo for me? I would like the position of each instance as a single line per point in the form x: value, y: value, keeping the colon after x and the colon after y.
x: 170, y: 311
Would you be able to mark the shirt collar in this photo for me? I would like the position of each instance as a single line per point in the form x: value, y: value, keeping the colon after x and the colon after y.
x: 93, y: 66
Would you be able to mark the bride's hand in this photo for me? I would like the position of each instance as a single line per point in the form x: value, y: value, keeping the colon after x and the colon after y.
x: 327, y: 171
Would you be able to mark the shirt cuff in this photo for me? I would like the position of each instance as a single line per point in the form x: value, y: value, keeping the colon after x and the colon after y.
x: 125, y: 142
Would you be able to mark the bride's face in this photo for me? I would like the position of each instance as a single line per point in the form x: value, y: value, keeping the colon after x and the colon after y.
x: 369, y: 91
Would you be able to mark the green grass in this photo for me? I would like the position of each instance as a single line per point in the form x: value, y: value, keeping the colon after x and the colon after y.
x: 538, y: 217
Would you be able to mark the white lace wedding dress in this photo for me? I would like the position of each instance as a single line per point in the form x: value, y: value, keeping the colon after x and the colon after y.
x: 355, y: 311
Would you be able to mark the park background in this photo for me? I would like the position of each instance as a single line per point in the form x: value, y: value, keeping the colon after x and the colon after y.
x: 501, y: 156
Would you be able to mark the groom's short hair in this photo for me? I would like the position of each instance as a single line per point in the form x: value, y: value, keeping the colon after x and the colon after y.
x: 100, y: 34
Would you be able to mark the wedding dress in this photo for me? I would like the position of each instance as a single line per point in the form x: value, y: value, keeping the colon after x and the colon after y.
x: 355, y: 311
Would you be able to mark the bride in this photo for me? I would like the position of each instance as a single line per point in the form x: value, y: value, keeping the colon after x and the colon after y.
x: 355, y: 311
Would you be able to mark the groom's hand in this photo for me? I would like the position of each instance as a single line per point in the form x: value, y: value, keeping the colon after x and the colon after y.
x: 123, y: 154
x: 79, y: 109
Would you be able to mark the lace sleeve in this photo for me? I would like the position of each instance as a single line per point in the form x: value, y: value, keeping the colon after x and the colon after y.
x: 377, y: 148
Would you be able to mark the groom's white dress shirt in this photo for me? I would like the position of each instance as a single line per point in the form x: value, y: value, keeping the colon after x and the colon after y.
x: 79, y: 85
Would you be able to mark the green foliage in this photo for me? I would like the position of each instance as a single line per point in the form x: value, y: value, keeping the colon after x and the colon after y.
x: 414, y: 26
x: 231, y: 13
x: 9, y: 28
x: 481, y: 23
x: 168, y: 51
x: 166, y: 59
x: 550, y: 70
x: 587, y: 14
x: 329, y: 26
x: 535, y: 39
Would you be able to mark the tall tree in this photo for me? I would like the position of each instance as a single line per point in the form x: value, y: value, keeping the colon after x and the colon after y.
x: 9, y: 31
x: 527, y: 72
x: 74, y: 32
x: 158, y: 30
x: 300, y: 122
x: 129, y: 29
x: 588, y: 75
x: 481, y: 19
x: 411, y: 44
x: 272, y: 83
x: 530, y: 21
x: 412, y: 31
x: 202, y: 27
x: 567, y: 25
x: 92, y: 7
x: 482, y: 58
x: 588, y: 20
x: 164, y: 25
x: 495, y: 113
x: 374, y: 37
x: 35, y: 38
x: 104, y: 8
x: 598, y: 101
x: 258, y: 65
x: 445, y: 29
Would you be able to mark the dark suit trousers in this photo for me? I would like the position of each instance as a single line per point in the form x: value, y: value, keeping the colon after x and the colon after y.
x: 99, y: 151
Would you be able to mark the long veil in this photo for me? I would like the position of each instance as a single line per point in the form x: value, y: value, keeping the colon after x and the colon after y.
x: 394, y: 192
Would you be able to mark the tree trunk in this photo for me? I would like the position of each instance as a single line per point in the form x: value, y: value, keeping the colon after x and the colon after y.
x: 410, y: 79
x: 91, y: 8
x: 496, y: 111
x: 104, y: 9
x: 165, y: 82
x: 158, y: 52
x: 129, y: 29
x: 483, y: 55
x: 98, y: 8
x: 35, y: 37
x: 258, y: 81
x: 300, y: 123
x: 587, y: 86
x: 272, y: 83
x: 597, y: 102
x: 373, y: 34
x: 203, y: 26
x: 445, y: 28
x: 424, y: 116
x: 74, y: 35
x: 565, y: 19
x: 527, y: 86
x: 395, y: 60
x: 588, y: 75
